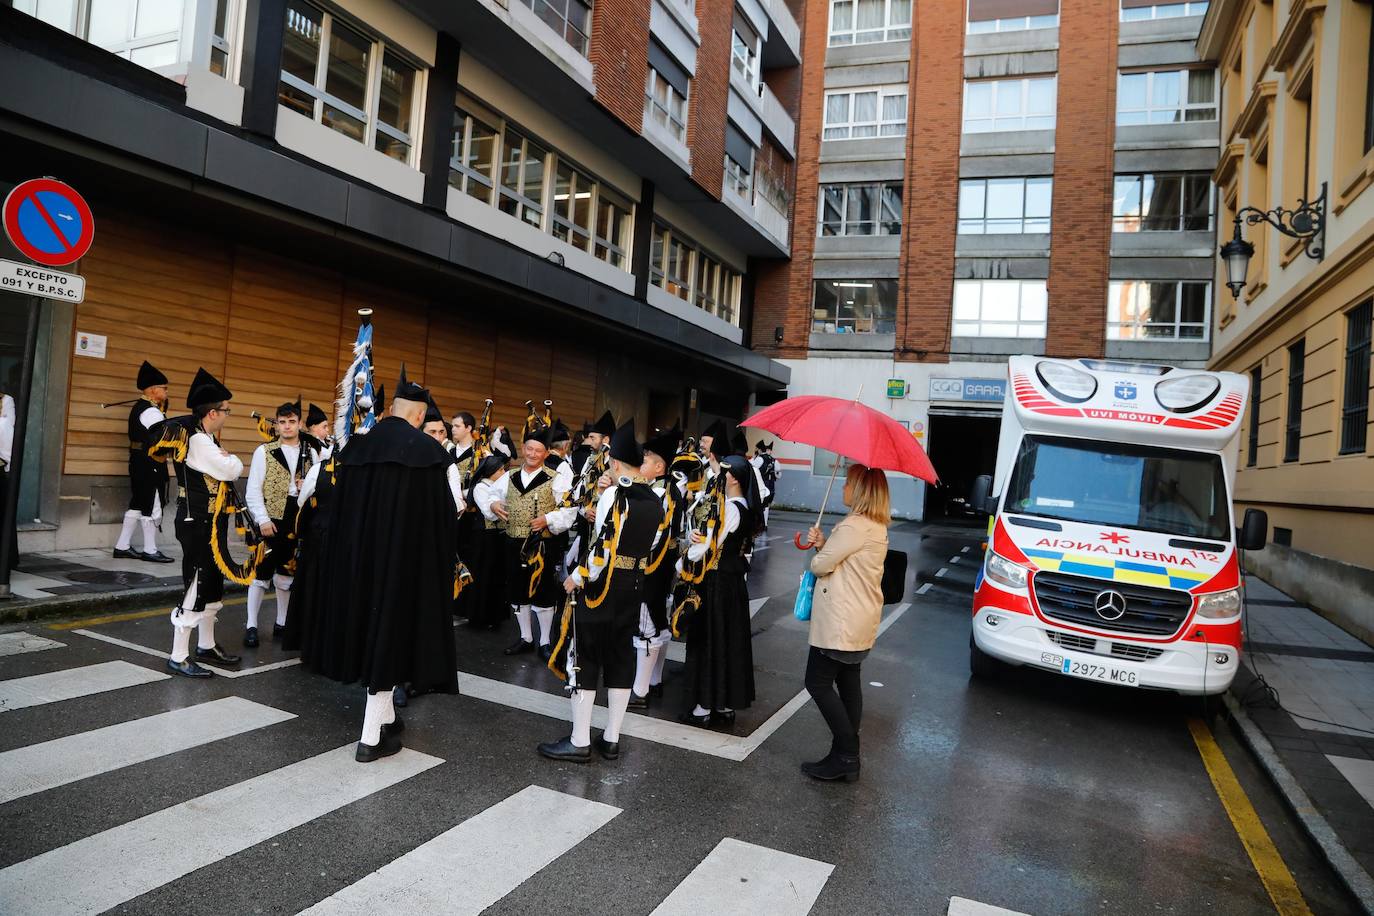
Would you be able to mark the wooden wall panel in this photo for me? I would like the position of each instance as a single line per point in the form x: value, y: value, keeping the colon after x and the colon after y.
x: 154, y: 296
x: 574, y: 387
x: 460, y: 364
x: 523, y: 369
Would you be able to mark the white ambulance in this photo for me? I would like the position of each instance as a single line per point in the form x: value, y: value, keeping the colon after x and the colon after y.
x: 1112, y: 551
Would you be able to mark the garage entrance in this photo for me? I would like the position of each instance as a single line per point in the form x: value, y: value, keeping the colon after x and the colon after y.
x: 962, y: 444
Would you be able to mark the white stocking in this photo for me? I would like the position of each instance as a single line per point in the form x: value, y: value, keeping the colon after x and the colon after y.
x: 181, y: 643
x: 149, y: 533
x: 582, y: 703
x: 257, y: 591
x: 660, y: 657
x: 205, y: 632
x: 644, y: 668
x: 389, y: 709
x: 522, y: 617
x: 126, y: 534
x: 545, y: 615
x: 617, y: 699
x: 282, y: 585
x: 373, y: 714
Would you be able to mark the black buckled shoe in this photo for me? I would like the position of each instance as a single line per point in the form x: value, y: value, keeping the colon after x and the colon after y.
x: 656, y: 691
x: 157, y: 556
x: 565, y: 750
x: 395, y: 726
x: 390, y: 744
x: 723, y: 718
x: 278, y: 630
x: 250, y: 638
x: 188, y: 668
x: 545, y: 652
x: 638, y: 702
x: 126, y: 554
x: 687, y: 718
x: 609, y: 750
x: 520, y: 647
x: 217, y: 656
x: 399, y: 697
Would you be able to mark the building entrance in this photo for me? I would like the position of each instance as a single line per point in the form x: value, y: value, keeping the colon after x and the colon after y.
x: 962, y: 444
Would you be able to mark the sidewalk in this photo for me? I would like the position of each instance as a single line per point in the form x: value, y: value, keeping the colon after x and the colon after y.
x: 65, y: 582
x: 1317, y: 742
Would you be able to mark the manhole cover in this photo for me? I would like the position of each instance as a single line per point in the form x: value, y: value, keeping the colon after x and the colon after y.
x: 109, y: 577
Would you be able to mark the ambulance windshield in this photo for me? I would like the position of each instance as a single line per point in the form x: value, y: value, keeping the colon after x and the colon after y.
x: 1127, y: 486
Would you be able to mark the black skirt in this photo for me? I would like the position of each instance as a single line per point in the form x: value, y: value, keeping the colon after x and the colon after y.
x: 720, y: 654
x: 485, y: 598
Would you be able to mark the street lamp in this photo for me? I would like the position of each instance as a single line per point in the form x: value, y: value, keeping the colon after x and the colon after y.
x: 1307, y: 222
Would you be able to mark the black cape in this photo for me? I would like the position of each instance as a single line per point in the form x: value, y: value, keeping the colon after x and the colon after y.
x: 386, y: 592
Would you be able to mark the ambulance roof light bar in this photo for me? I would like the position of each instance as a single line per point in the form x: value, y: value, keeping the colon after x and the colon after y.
x: 1107, y: 365
x: 1070, y: 385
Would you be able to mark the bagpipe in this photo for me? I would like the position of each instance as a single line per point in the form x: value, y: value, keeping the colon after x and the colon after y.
x: 534, y: 421
x: 601, y: 554
x: 170, y: 440
x: 532, y: 552
x: 686, y: 594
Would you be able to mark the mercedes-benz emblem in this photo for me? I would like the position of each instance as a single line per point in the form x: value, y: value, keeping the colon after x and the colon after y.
x: 1110, y: 605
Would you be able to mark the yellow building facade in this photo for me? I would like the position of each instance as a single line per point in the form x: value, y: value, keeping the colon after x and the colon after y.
x: 1297, y: 117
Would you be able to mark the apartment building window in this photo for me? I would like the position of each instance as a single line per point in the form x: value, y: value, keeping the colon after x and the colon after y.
x: 522, y: 178
x: 687, y: 271
x: 855, y: 307
x: 473, y: 165
x: 614, y: 218
x: 1252, y: 434
x: 1003, y: 16
x: 573, y: 194
x: 1136, y: 10
x: 571, y: 19
x: 1022, y: 104
x: 1293, y: 430
x: 745, y: 46
x: 773, y: 178
x: 1355, y: 403
x: 858, y: 22
x: 340, y: 77
x: 1162, y: 203
x: 1000, y: 308
x: 1166, y: 97
x: 666, y: 86
x: 1158, y: 309
x: 739, y: 163
x: 994, y: 206
x: 853, y: 114
x: 861, y: 209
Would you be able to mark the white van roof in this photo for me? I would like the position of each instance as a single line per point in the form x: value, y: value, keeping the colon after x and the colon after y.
x: 1128, y: 402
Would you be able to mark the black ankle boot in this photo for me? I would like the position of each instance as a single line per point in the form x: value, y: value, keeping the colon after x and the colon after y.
x: 833, y: 767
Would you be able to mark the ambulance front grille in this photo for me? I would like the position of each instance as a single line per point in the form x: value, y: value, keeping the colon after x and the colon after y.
x: 1149, y: 611
x: 1135, y: 653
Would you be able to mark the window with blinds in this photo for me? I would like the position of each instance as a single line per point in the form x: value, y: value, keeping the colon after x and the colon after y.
x: 1011, y: 15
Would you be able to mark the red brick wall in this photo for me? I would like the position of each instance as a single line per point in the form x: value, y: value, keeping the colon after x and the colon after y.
x: 931, y: 192
x: 1081, y: 224
x: 619, y: 56
x: 782, y: 290
x: 710, y: 94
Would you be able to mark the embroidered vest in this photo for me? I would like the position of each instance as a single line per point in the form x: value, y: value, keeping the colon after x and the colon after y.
x: 276, y: 485
x: 523, y: 507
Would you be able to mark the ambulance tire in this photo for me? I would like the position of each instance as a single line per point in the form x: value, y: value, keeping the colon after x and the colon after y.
x: 982, y: 665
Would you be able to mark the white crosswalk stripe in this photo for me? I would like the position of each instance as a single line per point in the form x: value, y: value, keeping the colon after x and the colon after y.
x: 221, y: 672
x: 109, y: 868
x: 494, y: 852
x: 68, y: 684
x: 744, y: 879
x: 19, y: 643
x: 961, y: 906
x: 40, y: 767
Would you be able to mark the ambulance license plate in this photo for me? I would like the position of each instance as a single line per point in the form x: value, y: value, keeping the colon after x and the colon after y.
x: 1095, y: 671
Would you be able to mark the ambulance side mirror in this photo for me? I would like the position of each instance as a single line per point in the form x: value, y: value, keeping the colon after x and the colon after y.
x: 1254, y: 530
x: 981, y: 497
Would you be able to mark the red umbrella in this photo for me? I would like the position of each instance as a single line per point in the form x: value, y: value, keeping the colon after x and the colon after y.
x: 848, y: 428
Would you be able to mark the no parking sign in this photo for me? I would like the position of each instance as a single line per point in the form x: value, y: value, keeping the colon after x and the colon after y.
x: 51, y: 224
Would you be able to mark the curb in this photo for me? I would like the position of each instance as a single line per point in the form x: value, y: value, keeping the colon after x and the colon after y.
x: 1351, y: 873
x: 75, y: 605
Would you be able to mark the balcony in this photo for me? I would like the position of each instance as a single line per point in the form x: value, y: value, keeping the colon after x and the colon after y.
x: 782, y: 46
x: 777, y: 121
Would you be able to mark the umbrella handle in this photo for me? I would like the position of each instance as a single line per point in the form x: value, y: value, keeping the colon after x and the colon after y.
x: 798, y: 541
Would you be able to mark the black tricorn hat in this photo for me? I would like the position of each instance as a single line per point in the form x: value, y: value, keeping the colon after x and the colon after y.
x: 538, y: 434
x: 605, y: 426
x: 664, y: 443
x: 560, y: 432
x: 624, y: 448
x: 741, y: 444
x: 432, y: 412
x: 206, y: 389
x: 407, y: 390
x: 488, y: 466
x: 315, y: 416
x: 716, y: 430
x: 379, y: 400
x: 148, y: 376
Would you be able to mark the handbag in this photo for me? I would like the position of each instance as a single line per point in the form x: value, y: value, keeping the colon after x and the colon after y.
x: 805, y: 592
x: 894, y: 576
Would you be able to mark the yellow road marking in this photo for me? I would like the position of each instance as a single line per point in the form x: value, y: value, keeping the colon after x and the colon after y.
x: 118, y: 618
x: 1273, y: 873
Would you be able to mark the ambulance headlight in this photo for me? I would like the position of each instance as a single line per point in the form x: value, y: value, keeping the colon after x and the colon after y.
x: 1219, y: 604
x: 1066, y: 383
x: 1005, y: 572
x: 1186, y: 393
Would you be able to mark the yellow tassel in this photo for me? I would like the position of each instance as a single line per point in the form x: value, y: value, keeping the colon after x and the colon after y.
x: 610, y: 564
x: 568, y: 611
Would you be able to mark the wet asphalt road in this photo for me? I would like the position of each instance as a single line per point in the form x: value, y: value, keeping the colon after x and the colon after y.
x: 1030, y: 792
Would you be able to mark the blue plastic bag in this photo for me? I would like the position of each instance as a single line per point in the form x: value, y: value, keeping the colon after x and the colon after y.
x: 802, y: 609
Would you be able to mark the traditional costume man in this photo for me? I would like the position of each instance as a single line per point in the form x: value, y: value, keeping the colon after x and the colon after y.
x: 389, y: 557
x: 654, y: 632
x: 274, y: 480
x: 607, y: 594
x: 529, y: 505
x: 147, y: 478
x: 205, y: 468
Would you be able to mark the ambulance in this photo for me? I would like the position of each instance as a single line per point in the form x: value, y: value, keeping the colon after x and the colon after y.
x: 1112, y: 554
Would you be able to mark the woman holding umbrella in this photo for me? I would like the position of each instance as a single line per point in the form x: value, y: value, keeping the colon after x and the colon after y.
x: 845, y: 613
x: 720, y: 658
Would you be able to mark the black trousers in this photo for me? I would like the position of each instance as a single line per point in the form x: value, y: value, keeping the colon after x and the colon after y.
x: 281, y: 547
x: 196, y: 557
x: 835, y: 686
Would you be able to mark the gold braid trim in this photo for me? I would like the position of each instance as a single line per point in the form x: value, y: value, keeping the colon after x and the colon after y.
x: 234, y: 572
x: 559, y: 648
x: 536, y: 565
x: 173, y: 443
x: 610, y: 563
x: 663, y: 527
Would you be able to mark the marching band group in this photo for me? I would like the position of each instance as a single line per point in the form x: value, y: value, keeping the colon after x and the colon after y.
x: 603, y: 547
